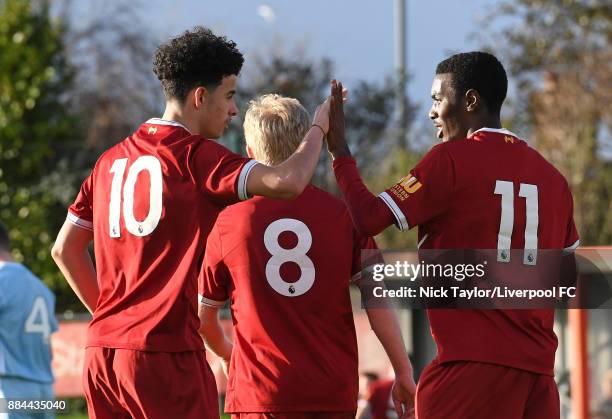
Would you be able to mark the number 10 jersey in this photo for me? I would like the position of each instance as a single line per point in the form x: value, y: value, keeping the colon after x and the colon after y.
x: 151, y: 201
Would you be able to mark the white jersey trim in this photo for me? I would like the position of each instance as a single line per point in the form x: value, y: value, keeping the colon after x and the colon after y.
x: 402, y: 223
x: 159, y: 121
x: 497, y: 130
x: 242, y: 179
x: 88, y: 225
x: 422, y: 241
x: 572, y: 248
x: 210, y: 303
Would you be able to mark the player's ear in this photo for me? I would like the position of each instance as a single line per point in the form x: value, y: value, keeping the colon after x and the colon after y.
x: 472, y: 100
x: 250, y: 152
x: 199, y: 96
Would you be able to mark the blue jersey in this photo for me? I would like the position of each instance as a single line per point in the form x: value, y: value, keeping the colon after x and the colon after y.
x: 27, y: 319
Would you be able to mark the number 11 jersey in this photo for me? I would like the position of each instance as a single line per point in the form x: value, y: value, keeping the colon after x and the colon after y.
x: 489, y: 191
x: 151, y: 201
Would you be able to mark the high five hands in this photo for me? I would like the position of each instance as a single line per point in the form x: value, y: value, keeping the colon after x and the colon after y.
x: 336, y: 140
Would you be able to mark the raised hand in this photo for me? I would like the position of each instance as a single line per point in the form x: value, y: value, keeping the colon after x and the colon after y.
x: 336, y: 140
x: 321, y: 116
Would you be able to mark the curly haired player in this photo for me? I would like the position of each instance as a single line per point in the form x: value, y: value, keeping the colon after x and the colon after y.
x: 148, y: 205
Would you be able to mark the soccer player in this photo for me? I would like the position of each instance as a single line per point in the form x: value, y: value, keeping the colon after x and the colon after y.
x: 286, y: 267
x: 379, y: 403
x: 481, y: 188
x: 149, y: 205
x: 27, y: 320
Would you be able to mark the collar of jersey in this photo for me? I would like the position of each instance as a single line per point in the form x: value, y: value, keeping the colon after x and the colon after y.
x: 159, y: 121
x: 497, y: 130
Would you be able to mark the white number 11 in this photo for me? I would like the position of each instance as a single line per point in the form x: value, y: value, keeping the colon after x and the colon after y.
x: 506, y: 224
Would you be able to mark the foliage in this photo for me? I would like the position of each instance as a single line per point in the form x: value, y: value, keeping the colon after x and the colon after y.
x: 559, y: 53
x: 34, y: 124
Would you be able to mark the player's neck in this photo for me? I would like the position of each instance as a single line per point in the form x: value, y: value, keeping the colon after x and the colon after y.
x: 174, y: 112
x: 492, y: 121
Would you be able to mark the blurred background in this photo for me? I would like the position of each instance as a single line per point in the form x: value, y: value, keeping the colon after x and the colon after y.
x: 76, y: 77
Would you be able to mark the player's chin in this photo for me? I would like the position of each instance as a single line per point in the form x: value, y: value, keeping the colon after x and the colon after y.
x: 220, y: 133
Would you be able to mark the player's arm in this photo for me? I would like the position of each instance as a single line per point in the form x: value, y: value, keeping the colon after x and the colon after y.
x: 71, y: 255
x: 384, y: 323
x: 212, y: 333
x: 288, y: 179
x: 386, y: 327
x: 370, y: 214
x: 569, y: 268
x: 213, y: 284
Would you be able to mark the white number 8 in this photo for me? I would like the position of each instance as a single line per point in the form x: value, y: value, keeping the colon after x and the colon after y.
x: 296, y: 255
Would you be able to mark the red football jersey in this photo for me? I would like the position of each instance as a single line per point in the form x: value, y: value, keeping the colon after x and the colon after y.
x: 489, y: 191
x: 286, y: 267
x: 151, y: 201
x: 380, y: 400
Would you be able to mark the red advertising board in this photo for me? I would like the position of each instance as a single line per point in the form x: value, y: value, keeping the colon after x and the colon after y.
x: 68, y: 352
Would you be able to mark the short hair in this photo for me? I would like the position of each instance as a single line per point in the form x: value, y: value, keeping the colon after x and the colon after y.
x: 480, y: 71
x: 274, y: 127
x: 5, y: 243
x: 195, y: 58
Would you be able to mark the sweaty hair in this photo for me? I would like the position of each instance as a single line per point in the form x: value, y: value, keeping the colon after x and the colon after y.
x: 5, y: 243
x: 195, y: 58
x: 274, y: 127
x: 480, y: 71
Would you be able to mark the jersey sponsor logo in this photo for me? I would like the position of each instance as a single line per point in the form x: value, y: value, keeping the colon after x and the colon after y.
x: 406, y: 186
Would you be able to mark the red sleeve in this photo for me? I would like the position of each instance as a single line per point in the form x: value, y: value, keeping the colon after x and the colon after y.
x: 572, y: 240
x: 214, y: 279
x: 425, y: 193
x: 81, y: 211
x: 364, y: 249
x: 369, y: 214
x: 221, y: 174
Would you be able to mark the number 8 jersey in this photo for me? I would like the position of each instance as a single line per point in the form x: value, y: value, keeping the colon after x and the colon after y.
x: 151, y: 201
x: 286, y: 267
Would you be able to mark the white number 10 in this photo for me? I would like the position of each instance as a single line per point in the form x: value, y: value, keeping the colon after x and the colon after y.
x: 504, y: 238
x: 137, y: 228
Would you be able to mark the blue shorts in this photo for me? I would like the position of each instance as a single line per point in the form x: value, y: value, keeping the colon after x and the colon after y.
x: 16, y: 388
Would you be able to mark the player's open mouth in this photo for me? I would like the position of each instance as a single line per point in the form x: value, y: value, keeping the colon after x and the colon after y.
x: 439, y: 132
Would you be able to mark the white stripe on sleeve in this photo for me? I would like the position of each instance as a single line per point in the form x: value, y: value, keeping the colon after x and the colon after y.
x: 242, y: 179
x: 210, y: 303
x: 88, y: 225
x: 572, y: 248
x: 402, y: 223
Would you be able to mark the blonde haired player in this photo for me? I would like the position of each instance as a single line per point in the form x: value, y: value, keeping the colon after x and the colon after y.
x: 286, y: 267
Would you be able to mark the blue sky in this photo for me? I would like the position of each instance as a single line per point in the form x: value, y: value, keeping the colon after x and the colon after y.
x: 357, y: 35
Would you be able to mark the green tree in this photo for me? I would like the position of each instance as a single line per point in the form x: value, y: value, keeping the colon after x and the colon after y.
x: 34, y: 122
x: 558, y: 52
x: 370, y: 123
